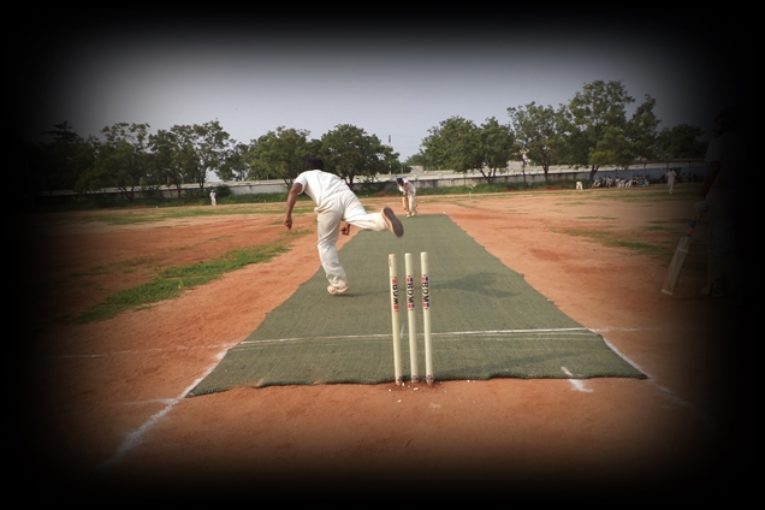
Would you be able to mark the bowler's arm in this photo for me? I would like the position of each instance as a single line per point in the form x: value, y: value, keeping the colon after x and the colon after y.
x: 292, y: 197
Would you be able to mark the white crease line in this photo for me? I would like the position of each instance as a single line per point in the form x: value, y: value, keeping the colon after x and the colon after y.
x: 666, y: 392
x: 578, y: 384
x: 626, y: 358
x: 499, y: 331
x: 144, y: 402
x: 608, y: 329
x: 385, y: 335
x: 141, y: 351
x: 134, y: 438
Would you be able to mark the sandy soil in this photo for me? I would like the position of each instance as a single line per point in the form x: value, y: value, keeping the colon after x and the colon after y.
x: 107, y: 397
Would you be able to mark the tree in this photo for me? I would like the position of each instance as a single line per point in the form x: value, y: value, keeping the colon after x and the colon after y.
x: 455, y: 143
x: 211, y: 144
x: 417, y: 159
x: 536, y: 129
x: 613, y: 148
x: 58, y: 162
x: 166, y: 166
x: 350, y: 152
x: 641, y: 130
x: 186, y: 153
x: 681, y: 142
x: 279, y: 154
x: 187, y: 160
x: 235, y: 164
x: 497, y: 145
x: 391, y: 161
x: 598, y: 106
x: 122, y: 160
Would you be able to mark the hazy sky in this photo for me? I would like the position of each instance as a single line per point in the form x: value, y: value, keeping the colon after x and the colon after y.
x: 395, y: 82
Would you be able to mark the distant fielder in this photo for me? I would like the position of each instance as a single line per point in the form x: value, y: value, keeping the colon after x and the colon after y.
x: 410, y: 195
x: 671, y: 175
x: 335, y: 202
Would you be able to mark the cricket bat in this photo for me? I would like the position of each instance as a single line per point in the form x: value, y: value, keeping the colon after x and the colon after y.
x: 677, y: 260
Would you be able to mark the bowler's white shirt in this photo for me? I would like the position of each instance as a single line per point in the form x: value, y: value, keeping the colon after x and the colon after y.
x: 321, y: 186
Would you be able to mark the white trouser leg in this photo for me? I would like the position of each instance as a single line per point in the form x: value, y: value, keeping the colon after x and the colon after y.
x: 328, y: 229
x: 412, y: 203
x: 356, y: 215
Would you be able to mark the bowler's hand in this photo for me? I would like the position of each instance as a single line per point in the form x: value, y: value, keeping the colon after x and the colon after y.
x: 288, y: 222
x: 346, y: 229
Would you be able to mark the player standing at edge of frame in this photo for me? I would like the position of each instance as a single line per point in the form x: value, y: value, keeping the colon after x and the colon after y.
x: 335, y: 202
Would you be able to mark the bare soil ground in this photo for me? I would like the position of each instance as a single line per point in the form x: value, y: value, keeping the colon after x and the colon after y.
x: 108, y: 395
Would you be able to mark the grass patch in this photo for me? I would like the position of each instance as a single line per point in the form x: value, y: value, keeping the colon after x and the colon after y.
x: 691, y: 192
x: 153, y: 215
x: 674, y: 221
x: 171, y: 281
x: 609, y: 239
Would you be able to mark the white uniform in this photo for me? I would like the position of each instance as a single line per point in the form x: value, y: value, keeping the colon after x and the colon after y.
x: 671, y: 180
x: 410, y: 193
x: 335, y: 202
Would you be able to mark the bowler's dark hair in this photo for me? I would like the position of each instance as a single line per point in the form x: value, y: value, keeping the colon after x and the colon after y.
x: 314, y: 164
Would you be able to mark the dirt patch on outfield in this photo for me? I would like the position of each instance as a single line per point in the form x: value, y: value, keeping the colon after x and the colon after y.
x: 80, y: 263
x: 107, y: 379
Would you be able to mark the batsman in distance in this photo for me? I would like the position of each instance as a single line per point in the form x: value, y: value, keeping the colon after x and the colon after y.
x: 335, y: 202
x: 410, y: 195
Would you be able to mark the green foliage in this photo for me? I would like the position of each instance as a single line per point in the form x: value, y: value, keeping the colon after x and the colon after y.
x: 455, y: 144
x: 612, y: 149
x: 680, y: 142
x: 350, y: 152
x: 59, y: 162
x: 235, y: 165
x: 538, y: 132
x: 185, y: 154
x: 460, y: 145
x: 592, y: 129
x: 222, y: 191
x: 417, y: 160
x: 497, y: 145
x: 122, y: 160
x: 598, y: 107
x: 279, y: 154
x: 640, y: 131
x: 163, y: 168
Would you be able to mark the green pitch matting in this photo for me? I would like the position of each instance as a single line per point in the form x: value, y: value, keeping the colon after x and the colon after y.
x: 486, y: 322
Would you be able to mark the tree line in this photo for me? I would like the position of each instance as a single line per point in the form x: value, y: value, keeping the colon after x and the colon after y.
x: 130, y: 158
x: 591, y: 130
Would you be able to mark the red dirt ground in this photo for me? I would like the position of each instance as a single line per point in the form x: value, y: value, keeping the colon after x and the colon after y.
x: 99, y: 384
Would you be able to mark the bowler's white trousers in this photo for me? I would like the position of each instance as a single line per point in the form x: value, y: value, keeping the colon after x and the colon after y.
x: 342, y: 206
